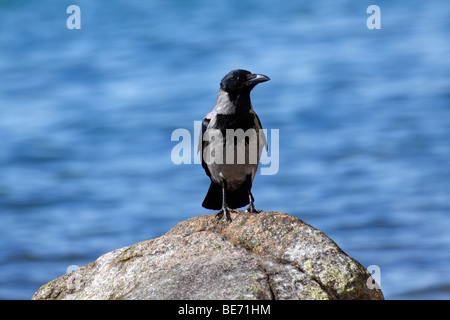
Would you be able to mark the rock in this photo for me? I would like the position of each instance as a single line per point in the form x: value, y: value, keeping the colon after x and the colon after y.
x: 269, y: 255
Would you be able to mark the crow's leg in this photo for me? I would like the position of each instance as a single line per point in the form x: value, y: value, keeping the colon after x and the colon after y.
x: 225, y: 209
x: 251, y: 207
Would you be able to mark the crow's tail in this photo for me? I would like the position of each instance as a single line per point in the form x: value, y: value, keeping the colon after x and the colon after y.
x: 235, y: 199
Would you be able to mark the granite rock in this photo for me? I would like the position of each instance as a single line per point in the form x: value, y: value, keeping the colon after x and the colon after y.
x: 269, y: 255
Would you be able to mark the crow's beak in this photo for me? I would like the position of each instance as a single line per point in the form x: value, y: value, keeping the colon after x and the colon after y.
x: 254, y: 79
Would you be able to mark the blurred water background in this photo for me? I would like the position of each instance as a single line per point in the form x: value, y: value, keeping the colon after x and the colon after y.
x: 86, y: 118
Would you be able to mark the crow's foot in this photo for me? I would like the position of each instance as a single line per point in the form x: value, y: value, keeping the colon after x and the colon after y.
x: 225, y: 210
x: 251, y: 209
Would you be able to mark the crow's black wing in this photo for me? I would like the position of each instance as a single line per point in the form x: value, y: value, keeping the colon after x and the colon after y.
x: 262, y: 137
x: 202, y: 145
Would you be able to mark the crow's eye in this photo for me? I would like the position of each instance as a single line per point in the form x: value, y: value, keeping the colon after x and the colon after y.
x: 238, y: 78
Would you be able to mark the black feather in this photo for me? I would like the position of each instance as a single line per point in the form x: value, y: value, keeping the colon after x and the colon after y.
x: 205, y: 124
x: 235, y: 199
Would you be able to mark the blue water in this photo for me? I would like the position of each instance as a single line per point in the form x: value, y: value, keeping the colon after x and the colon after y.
x: 86, y: 118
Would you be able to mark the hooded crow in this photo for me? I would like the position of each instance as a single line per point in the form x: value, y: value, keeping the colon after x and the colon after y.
x: 231, y: 143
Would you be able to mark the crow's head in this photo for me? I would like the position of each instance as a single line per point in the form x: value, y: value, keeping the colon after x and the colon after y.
x: 240, y: 81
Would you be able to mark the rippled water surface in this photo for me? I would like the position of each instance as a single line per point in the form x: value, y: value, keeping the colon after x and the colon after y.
x: 86, y: 118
